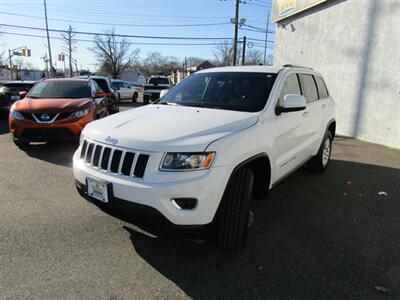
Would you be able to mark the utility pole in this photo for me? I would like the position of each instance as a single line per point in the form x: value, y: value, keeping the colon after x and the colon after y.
x: 48, y: 39
x: 9, y: 57
x: 266, y: 40
x: 244, y: 50
x: 235, y: 40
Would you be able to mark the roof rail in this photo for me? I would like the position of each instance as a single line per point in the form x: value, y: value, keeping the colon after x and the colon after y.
x: 294, y: 66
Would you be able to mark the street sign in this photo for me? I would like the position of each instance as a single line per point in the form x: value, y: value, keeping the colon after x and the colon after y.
x: 17, y: 53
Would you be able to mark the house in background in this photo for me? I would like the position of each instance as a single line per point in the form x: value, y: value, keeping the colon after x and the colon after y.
x: 201, y: 66
x: 355, y: 45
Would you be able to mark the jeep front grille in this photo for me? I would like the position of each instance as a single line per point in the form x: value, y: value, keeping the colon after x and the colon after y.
x: 114, y: 160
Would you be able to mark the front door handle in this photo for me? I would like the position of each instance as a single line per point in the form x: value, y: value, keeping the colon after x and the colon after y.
x: 305, y: 114
x: 323, y: 105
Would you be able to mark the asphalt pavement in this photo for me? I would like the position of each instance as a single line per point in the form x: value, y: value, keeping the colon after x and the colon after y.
x: 326, y: 236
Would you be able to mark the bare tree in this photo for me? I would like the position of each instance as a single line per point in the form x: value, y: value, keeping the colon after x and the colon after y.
x: 114, y: 54
x: 68, y: 46
x: 254, y: 57
x: 19, y: 63
x: 156, y: 63
x: 223, y: 54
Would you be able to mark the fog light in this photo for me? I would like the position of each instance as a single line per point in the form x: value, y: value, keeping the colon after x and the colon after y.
x: 184, y: 203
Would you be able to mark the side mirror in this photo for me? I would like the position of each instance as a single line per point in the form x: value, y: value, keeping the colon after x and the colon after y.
x: 163, y: 92
x: 116, y: 88
x: 23, y: 94
x: 292, y: 102
x: 100, y: 95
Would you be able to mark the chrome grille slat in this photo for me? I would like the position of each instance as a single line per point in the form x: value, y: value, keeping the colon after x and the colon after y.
x: 125, y: 160
x: 121, y: 160
x: 133, y: 165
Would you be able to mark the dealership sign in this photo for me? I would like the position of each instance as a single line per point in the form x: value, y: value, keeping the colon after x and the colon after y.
x: 285, y: 8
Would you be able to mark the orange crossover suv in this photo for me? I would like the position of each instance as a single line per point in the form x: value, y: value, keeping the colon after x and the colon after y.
x: 57, y: 109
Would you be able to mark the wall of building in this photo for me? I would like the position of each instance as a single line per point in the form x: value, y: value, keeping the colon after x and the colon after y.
x: 355, y: 44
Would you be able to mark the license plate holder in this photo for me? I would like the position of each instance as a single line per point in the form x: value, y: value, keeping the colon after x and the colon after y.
x: 98, y: 189
x: 15, y: 98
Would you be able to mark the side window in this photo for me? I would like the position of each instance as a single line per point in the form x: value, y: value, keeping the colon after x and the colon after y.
x: 96, y: 87
x: 126, y: 85
x: 322, y: 90
x: 291, y: 86
x: 308, y: 87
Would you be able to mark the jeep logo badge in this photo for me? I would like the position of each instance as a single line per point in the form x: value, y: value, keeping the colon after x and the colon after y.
x: 111, y: 140
x: 45, y: 117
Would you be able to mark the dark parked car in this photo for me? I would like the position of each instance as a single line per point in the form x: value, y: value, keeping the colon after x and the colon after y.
x: 12, y: 91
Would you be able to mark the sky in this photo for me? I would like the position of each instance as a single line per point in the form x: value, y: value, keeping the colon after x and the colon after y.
x: 108, y: 14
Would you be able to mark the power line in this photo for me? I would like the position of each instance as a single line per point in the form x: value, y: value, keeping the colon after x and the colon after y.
x: 118, y: 24
x: 118, y: 35
x: 132, y: 43
x: 137, y: 43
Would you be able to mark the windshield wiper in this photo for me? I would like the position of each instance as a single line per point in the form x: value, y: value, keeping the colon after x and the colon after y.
x: 168, y: 103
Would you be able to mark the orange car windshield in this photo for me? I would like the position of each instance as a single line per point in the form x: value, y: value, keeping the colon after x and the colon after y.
x: 60, y: 89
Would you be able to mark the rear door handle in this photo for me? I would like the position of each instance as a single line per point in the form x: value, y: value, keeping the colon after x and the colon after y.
x: 305, y: 114
x: 323, y: 105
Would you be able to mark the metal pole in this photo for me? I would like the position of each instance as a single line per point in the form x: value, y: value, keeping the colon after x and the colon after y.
x: 244, y: 51
x: 266, y: 40
x: 9, y: 57
x: 235, y: 40
x: 48, y: 39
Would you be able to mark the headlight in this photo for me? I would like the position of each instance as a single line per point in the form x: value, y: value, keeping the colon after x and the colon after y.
x: 187, y: 161
x: 78, y: 114
x: 16, y: 115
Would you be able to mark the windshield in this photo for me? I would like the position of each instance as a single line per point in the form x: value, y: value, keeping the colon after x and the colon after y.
x: 240, y: 91
x: 61, y: 89
x: 158, y: 80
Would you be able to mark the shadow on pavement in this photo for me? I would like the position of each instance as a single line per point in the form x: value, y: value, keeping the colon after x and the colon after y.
x: 59, y: 153
x: 314, y: 236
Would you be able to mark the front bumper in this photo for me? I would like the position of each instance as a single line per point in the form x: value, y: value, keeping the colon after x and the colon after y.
x: 35, y: 132
x: 207, y: 188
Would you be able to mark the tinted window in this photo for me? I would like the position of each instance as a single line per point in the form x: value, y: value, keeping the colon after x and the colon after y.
x: 322, y: 91
x: 158, y: 80
x: 116, y: 84
x: 225, y: 90
x: 61, y: 89
x: 17, y: 87
x: 102, y: 84
x: 308, y: 87
x: 291, y: 86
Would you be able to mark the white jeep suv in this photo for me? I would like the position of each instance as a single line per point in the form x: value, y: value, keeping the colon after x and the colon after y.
x: 215, y: 141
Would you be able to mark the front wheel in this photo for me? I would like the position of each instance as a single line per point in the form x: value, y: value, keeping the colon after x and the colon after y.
x: 134, y: 97
x: 235, y: 210
x: 320, y: 162
x: 20, y: 143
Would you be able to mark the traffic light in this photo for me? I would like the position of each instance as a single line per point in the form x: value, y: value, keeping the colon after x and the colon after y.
x: 61, y: 57
x: 26, y: 52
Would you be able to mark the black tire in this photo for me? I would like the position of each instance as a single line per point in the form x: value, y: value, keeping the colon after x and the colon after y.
x: 134, y: 97
x: 234, y: 211
x: 320, y: 162
x: 119, y: 97
x: 20, y: 143
x: 146, y: 99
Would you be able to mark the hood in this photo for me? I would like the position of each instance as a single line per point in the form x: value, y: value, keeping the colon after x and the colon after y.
x: 163, y: 128
x: 51, y: 105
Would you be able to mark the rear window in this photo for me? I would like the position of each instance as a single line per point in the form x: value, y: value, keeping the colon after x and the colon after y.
x: 322, y: 90
x: 17, y: 87
x: 158, y: 80
x: 61, y: 89
x: 102, y: 84
x: 308, y: 87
